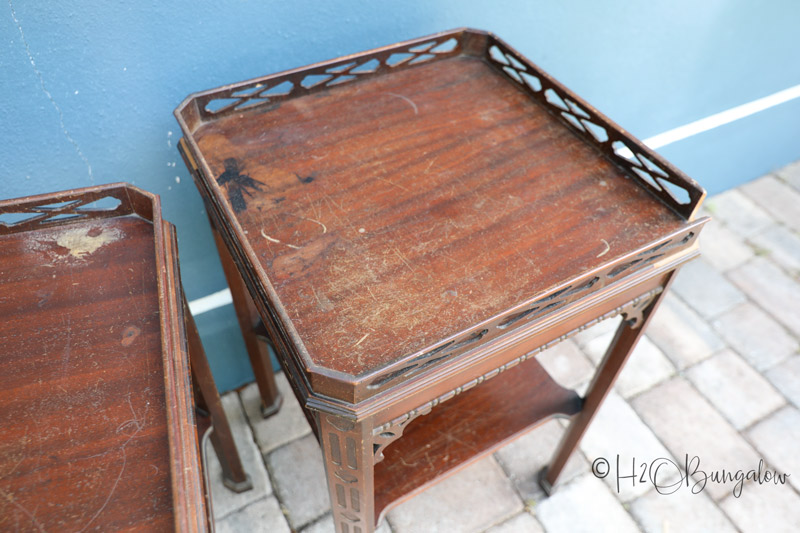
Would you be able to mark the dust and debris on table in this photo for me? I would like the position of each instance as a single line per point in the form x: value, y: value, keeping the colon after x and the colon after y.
x: 321, y: 225
x: 606, y: 249
x: 323, y: 301
x: 408, y: 100
x: 277, y: 241
x: 362, y: 339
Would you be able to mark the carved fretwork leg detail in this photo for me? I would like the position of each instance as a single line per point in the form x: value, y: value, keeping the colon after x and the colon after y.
x: 637, y: 314
x: 348, y: 457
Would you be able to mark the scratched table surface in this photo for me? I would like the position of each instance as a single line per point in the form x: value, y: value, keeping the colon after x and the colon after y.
x: 391, y: 212
x: 83, y: 444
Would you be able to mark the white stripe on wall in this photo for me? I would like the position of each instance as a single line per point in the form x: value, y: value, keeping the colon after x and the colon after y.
x: 724, y: 117
x: 223, y: 297
x: 210, y: 302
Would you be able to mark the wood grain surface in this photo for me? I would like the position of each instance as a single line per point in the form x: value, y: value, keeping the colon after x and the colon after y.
x: 84, y: 442
x: 392, y: 212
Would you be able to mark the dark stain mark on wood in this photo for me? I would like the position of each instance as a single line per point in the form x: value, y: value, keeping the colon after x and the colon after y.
x: 129, y: 335
x: 237, y: 184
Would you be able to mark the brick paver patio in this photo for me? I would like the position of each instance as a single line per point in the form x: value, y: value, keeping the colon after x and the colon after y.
x: 717, y: 377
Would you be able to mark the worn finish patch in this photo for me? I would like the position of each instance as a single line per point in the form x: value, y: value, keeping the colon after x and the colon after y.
x: 82, y: 242
x: 76, y: 241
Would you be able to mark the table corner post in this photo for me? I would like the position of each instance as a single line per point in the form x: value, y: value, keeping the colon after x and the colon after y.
x: 349, y: 466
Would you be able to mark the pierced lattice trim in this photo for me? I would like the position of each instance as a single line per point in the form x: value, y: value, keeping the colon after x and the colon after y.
x: 271, y: 90
x: 32, y: 214
x: 674, y: 189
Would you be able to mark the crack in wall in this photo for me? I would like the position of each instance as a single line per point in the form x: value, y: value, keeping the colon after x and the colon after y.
x: 48, y: 94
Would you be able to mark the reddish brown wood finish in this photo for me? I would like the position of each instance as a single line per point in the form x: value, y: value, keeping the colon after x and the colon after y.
x: 250, y: 324
x: 464, y: 429
x: 411, y: 231
x: 462, y: 203
x: 95, y: 396
x: 233, y: 474
x: 621, y: 347
x: 205, y: 389
x: 441, y: 183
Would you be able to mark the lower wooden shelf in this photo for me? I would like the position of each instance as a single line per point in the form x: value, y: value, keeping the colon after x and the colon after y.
x: 467, y: 427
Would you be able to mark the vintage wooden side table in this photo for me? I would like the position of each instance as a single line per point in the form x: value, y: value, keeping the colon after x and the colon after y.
x: 413, y: 225
x: 96, y: 408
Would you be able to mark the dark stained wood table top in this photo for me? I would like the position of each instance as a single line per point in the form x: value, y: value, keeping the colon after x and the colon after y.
x: 414, y: 221
x: 394, y: 209
x: 393, y: 212
x: 84, y: 444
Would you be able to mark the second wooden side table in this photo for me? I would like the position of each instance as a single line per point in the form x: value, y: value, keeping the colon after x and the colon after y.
x: 96, y: 407
x: 413, y: 225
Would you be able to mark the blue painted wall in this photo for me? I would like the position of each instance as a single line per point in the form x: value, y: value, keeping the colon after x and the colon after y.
x: 93, y: 84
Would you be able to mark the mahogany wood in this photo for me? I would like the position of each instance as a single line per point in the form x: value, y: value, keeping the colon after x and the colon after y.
x: 95, y: 393
x: 416, y: 220
x: 233, y: 474
x: 212, y: 416
x: 622, y: 345
x: 94, y: 434
x: 479, y: 167
x: 250, y: 324
x: 463, y: 429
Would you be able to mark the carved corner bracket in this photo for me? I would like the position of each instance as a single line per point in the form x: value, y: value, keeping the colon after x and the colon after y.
x: 633, y: 311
